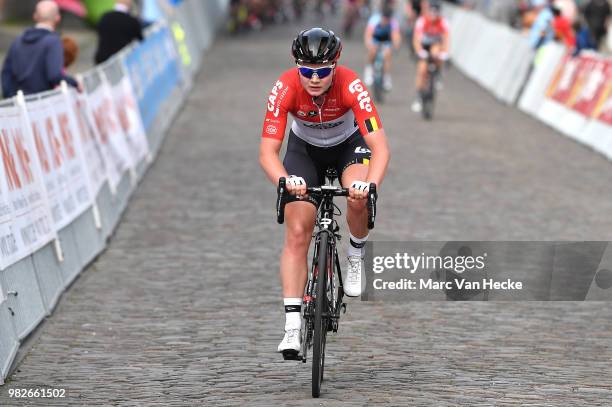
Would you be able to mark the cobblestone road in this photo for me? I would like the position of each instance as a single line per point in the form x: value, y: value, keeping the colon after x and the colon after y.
x: 184, y: 307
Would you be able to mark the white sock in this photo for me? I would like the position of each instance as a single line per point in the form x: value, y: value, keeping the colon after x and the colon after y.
x: 293, y: 313
x: 356, y: 245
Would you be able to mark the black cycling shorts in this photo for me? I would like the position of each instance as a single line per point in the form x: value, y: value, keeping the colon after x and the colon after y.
x: 311, y: 162
x: 430, y: 40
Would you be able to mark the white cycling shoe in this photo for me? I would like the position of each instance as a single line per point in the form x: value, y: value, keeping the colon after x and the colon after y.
x: 388, y: 83
x: 352, y: 285
x: 290, y: 345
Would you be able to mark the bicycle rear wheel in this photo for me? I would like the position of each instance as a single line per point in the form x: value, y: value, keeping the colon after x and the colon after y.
x: 428, y: 101
x: 320, y: 319
x: 429, y: 98
x: 427, y: 108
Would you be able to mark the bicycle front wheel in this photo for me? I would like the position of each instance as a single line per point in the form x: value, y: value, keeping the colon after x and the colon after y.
x: 427, y: 109
x: 320, y: 318
x: 428, y: 100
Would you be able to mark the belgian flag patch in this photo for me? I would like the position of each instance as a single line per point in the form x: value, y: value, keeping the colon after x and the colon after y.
x: 371, y: 124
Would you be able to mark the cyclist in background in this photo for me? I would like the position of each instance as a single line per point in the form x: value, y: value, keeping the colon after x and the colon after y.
x: 335, y: 125
x: 352, y: 10
x: 383, y: 30
x: 431, y: 35
x: 413, y: 12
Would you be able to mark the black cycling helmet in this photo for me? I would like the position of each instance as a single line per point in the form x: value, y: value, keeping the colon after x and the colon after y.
x: 316, y: 46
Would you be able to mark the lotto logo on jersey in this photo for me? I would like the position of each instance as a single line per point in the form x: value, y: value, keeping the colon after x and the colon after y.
x: 272, y: 99
x: 362, y: 95
x: 271, y: 129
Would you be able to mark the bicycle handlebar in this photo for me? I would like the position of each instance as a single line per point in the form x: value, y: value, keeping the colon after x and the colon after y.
x: 331, y: 190
x: 325, y: 189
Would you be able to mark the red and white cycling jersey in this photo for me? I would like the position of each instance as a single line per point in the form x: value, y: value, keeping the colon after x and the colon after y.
x: 429, y: 27
x: 347, y: 106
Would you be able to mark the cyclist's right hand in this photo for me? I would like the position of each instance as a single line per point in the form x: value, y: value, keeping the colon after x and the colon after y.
x: 296, y: 185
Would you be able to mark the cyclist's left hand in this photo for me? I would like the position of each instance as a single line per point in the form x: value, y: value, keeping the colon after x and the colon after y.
x: 358, y: 190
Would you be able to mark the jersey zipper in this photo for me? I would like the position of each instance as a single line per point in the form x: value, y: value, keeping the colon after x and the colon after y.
x: 321, y: 118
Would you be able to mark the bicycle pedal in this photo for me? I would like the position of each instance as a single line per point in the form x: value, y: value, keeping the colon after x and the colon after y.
x: 343, y: 307
x: 291, y: 354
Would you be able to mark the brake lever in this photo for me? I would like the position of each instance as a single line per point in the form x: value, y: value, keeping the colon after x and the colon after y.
x: 280, y: 201
x: 372, y: 198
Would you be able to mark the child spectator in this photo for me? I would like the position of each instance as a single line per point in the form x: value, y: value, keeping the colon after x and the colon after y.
x: 563, y: 29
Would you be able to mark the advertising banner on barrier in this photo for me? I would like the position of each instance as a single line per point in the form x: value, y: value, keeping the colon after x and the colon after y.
x: 129, y: 119
x: 589, y: 85
x: 581, y: 83
x: 92, y: 153
x: 153, y: 71
x: 8, y: 238
x: 108, y: 133
x: 63, y: 170
x: 77, y: 166
x: 603, y: 108
x: 23, y: 192
x: 562, y: 85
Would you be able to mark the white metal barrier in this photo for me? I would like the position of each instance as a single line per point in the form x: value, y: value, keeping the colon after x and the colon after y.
x: 492, y: 54
x: 571, y: 94
x: 71, y: 161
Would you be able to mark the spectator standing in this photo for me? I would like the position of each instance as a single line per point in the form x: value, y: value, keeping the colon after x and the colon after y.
x: 35, y: 61
x: 541, y: 31
x: 568, y: 9
x: 563, y: 29
x: 71, y: 51
x: 597, y: 14
x: 584, y: 39
x: 116, y: 29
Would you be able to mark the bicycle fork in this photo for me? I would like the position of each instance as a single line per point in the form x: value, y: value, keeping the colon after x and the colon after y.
x: 335, y: 301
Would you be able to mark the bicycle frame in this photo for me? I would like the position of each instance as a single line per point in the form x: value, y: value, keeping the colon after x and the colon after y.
x: 322, y: 301
x: 327, y: 225
x: 428, y: 95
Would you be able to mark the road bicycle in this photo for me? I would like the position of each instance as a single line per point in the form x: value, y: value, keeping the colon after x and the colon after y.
x: 351, y: 18
x: 324, y: 293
